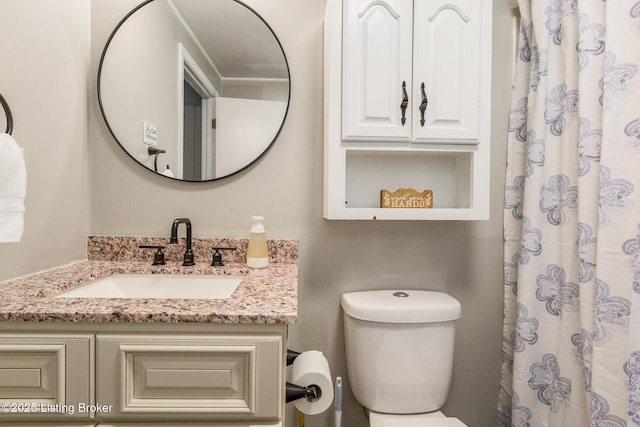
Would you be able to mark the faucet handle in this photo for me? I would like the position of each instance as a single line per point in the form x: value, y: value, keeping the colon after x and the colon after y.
x: 217, y: 256
x: 158, y: 256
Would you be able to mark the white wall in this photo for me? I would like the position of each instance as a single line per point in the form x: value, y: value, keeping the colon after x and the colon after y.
x: 236, y: 144
x: 45, y: 77
x: 131, y: 78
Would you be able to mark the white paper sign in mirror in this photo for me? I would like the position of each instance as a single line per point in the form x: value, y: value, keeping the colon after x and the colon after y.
x: 196, y: 90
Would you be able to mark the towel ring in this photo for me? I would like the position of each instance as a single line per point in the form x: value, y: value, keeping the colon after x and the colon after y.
x: 155, y: 152
x: 7, y: 112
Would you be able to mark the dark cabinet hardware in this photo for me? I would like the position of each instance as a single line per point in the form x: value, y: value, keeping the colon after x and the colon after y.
x: 405, y: 102
x: 423, y: 104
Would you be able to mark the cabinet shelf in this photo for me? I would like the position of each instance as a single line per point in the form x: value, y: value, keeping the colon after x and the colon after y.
x: 446, y: 174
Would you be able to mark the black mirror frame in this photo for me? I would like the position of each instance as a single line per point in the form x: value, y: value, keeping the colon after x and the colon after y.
x: 106, y: 121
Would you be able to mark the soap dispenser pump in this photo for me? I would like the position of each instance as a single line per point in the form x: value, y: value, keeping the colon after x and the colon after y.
x: 257, y: 254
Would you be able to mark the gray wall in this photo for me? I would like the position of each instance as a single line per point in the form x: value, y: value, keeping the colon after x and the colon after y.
x: 119, y: 197
x: 44, y: 76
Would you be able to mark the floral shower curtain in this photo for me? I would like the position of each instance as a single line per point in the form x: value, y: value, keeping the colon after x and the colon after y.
x: 571, y: 344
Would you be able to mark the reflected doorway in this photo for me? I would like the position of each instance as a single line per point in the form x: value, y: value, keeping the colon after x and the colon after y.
x: 192, y: 134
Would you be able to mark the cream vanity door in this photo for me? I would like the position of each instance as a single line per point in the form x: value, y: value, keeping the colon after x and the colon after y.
x: 377, y: 70
x: 191, y: 377
x: 447, y: 70
x: 46, y: 376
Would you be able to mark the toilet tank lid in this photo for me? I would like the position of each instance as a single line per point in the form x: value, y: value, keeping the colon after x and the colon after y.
x: 401, y: 306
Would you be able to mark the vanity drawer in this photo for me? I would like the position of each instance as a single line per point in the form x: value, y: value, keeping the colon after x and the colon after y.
x: 45, y: 376
x: 227, y: 377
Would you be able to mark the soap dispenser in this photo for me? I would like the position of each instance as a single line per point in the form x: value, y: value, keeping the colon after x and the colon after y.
x: 257, y: 254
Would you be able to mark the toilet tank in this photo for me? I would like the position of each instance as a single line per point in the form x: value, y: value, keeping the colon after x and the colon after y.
x: 399, y: 347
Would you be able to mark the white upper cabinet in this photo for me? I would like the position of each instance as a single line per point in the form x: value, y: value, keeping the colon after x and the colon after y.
x: 412, y: 70
x: 407, y: 105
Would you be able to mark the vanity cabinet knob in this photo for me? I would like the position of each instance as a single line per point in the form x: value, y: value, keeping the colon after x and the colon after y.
x: 217, y: 256
x: 158, y: 256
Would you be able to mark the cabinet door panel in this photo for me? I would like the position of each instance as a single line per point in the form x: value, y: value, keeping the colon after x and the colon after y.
x: 45, y: 376
x: 377, y: 60
x: 189, y: 372
x: 191, y: 377
x: 447, y: 61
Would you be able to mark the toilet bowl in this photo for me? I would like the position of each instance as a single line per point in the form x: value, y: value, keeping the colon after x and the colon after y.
x: 399, y: 346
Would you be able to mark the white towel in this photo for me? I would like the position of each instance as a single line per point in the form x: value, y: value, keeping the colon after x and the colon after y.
x: 167, y: 172
x: 13, y: 186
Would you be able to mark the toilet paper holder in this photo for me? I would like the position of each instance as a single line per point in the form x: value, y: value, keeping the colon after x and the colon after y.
x: 291, y: 356
x: 294, y: 392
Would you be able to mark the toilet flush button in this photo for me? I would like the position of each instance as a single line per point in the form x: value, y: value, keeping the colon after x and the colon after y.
x: 401, y: 294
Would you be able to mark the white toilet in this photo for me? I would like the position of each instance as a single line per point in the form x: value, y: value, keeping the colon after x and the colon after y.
x: 399, y: 347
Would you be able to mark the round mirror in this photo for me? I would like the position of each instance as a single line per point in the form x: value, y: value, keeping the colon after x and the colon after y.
x: 195, y: 90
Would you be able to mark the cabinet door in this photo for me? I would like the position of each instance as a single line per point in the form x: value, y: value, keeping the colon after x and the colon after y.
x: 184, y: 377
x: 46, y: 377
x: 376, y: 63
x: 447, y: 67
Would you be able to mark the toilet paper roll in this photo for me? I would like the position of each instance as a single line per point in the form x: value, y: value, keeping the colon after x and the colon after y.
x: 312, y: 368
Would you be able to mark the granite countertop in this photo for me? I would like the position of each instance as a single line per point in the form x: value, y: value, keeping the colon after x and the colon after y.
x: 267, y: 295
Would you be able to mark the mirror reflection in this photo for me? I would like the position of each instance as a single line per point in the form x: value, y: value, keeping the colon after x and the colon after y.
x: 196, y: 90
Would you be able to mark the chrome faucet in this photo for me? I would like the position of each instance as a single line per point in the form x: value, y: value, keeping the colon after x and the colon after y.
x: 188, y: 253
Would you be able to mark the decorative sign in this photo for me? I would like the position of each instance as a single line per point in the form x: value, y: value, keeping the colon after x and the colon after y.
x: 406, y: 198
x: 150, y: 134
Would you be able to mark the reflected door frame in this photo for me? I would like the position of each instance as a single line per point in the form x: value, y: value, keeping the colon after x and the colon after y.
x: 190, y: 72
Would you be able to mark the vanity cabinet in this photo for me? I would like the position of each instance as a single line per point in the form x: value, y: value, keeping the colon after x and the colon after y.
x: 151, y: 374
x: 407, y: 105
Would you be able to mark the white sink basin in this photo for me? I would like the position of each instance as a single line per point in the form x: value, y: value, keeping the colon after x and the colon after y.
x: 184, y: 286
